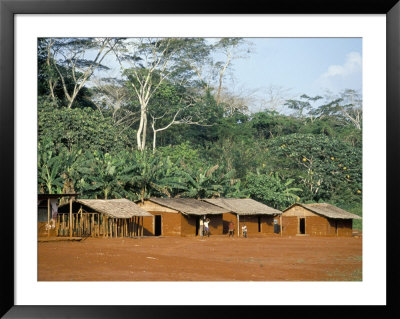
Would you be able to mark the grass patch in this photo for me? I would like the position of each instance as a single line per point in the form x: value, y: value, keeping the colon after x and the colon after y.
x: 337, y: 275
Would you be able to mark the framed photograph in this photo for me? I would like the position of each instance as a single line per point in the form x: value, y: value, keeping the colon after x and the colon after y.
x: 366, y: 33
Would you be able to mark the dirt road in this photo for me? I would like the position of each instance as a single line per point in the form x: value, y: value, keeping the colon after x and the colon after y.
x: 217, y: 258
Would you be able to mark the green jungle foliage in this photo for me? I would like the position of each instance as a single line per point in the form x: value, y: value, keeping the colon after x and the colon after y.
x: 310, y: 155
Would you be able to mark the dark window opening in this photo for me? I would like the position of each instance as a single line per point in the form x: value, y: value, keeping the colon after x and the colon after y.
x: 157, y: 225
x: 302, y: 225
x: 259, y: 223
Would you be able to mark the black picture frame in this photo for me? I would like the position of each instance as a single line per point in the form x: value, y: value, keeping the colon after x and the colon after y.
x: 8, y: 8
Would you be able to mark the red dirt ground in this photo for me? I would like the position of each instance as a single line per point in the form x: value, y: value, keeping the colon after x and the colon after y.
x: 217, y: 258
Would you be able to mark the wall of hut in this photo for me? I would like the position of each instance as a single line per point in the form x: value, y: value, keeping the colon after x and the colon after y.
x: 216, y: 224
x: 344, y: 227
x: 188, y: 225
x: 257, y: 224
x: 148, y: 225
x: 174, y: 223
x: 170, y: 219
x: 226, y: 219
x: 170, y: 223
x: 314, y: 224
x: 252, y: 223
x: 290, y: 225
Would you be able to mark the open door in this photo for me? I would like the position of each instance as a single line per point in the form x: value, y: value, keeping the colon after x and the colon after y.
x: 302, y: 226
x: 198, y: 233
x: 157, y: 225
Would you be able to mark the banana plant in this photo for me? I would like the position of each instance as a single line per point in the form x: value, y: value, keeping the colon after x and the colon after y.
x: 211, y: 182
x: 49, y: 170
x: 149, y: 175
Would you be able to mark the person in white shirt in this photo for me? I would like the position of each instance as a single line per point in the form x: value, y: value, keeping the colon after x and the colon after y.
x: 244, y: 230
x: 206, y: 230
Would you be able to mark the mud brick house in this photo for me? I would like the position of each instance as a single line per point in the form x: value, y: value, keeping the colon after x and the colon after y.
x: 319, y: 219
x: 181, y: 217
x: 101, y: 218
x: 259, y: 218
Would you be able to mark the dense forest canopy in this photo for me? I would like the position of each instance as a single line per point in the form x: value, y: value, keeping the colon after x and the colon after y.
x: 167, y: 124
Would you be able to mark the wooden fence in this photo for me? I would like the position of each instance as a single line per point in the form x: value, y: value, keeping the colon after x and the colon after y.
x: 98, y: 225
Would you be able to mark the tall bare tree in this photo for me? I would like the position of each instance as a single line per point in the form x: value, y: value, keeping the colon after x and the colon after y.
x: 72, y: 55
x: 148, y: 63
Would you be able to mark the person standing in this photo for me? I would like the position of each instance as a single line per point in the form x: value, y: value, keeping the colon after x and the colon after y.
x: 206, y: 230
x: 244, y: 230
x: 231, y: 228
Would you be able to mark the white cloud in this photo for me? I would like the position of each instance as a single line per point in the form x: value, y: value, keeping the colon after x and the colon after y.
x: 351, y: 65
x: 339, y: 77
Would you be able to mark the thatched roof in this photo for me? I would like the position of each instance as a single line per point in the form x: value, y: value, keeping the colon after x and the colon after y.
x: 327, y: 210
x: 244, y: 206
x: 189, y: 206
x: 115, y: 208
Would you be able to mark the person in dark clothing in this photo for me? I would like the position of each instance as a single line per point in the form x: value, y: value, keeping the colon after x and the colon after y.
x: 231, y: 228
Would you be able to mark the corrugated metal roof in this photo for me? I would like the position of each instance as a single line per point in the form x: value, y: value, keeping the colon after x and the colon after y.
x: 116, y: 208
x: 327, y: 210
x: 189, y: 206
x: 243, y: 206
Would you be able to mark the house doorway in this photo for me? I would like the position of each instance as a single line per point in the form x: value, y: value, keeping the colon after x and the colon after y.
x: 157, y: 225
x: 198, y: 233
x: 302, y: 226
x: 259, y: 224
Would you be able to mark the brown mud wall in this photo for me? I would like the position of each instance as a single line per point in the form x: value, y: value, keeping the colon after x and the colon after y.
x: 290, y: 225
x: 226, y: 218
x: 216, y: 225
x: 148, y: 226
x: 345, y: 227
x: 267, y: 224
x: 317, y: 226
x: 170, y: 224
x: 252, y: 222
x: 188, y: 223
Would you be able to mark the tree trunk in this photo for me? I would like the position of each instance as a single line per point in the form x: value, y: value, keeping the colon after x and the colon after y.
x: 154, y: 140
x: 144, y: 132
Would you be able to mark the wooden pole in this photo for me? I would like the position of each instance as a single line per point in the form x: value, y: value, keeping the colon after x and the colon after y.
x: 238, y: 222
x: 92, y: 226
x: 98, y: 225
x: 62, y: 224
x: 48, y: 217
x: 70, y: 217
x: 80, y: 223
x: 103, y: 225
x: 280, y: 220
x: 57, y: 224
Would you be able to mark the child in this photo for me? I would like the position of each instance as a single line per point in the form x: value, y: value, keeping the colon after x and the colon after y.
x: 244, y: 230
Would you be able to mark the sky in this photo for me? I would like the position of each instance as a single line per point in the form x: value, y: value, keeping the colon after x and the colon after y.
x: 292, y: 67
x: 301, y: 65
